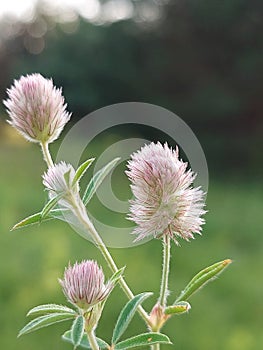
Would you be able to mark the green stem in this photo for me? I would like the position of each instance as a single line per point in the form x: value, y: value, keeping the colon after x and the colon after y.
x: 46, y: 154
x: 156, y: 347
x: 82, y: 216
x: 93, y: 341
x: 166, y: 268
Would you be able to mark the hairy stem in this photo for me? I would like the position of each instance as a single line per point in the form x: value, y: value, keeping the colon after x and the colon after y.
x: 46, y: 154
x: 156, y: 347
x: 166, y: 268
x: 93, y: 341
x: 83, y: 218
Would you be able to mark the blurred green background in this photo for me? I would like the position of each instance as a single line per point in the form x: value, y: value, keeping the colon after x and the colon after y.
x: 203, y: 61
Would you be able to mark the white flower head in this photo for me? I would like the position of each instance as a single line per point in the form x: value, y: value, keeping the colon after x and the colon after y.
x: 59, y: 178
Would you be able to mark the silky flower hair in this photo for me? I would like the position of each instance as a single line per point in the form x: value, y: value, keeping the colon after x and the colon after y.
x: 166, y: 203
x: 83, y: 284
x: 36, y: 108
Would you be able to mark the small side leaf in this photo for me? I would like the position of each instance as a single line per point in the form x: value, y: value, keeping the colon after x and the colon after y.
x: 38, y: 218
x: 126, y: 315
x: 144, y: 339
x: 77, y: 331
x: 117, y: 275
x: 50, y: 308
x: 31, y: 220
x: 81, y: 170
x: 97, y: 180
x: 84, y: 343
x: 50, y: 205
x: 203, y: 277
x: 44, y: 321
x: 178, y: 308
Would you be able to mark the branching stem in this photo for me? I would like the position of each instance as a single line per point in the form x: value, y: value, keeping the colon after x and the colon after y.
x: 83, y: 218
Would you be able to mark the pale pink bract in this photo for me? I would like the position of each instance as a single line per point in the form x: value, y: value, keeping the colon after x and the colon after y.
x: 165, y: 203
x: 36, y: 108
x: 83, y: 284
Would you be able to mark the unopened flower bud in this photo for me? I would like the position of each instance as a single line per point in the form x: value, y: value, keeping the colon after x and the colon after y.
x: 83, y: 285
x: 157, y: 317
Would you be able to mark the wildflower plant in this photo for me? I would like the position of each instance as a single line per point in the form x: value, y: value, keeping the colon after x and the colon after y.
x: 166, y: 206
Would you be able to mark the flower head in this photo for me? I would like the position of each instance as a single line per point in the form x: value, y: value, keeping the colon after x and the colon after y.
x: 59, y: 179
x: 165, y: 201
x: 36, y: 108
x: 83, y: 285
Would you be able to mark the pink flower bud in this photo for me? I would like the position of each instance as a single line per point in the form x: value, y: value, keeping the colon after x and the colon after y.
x: 157, y: 318
x: 36, y: 108
x: 166, y: 203
x: 83, y: 285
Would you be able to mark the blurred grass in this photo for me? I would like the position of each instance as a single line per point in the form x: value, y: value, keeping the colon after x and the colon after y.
x: 227, y: 314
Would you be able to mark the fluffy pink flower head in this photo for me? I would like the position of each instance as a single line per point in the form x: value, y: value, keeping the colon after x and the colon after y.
x: 83, y: 284
x: 36, y: 108
x: 166, y: 203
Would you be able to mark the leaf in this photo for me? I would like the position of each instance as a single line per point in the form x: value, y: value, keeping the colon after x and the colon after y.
x: 59, y: 213
x: 204, y: 276
x: 97, y: 180
x: 31, y: 220
x: 126, y: 315
x: 117, y: 275
x: 84, y: 343
x: 144, y: 339
x: 178, y: 308
x: 50, y: 205
x: 81, y: 170
x: 77, y: 331
x: 50, y: 308
x: 44, y: 321
x: 38, y: 218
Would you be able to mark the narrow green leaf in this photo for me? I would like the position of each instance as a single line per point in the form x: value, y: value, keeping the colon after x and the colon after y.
x: 178, y: 308
x: 84, y: 343
x: 50, y: 205
x: 203, y: 277
x: 117, y: 275
x: 38, y: 218
x: 81, y: 170
x: 50, y: 308
x: 44, y: 321
x: 77, y: 331
x: 97, y: 180
x: 31, y: 220
x: 145, y: 339
x: 126, y: 315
